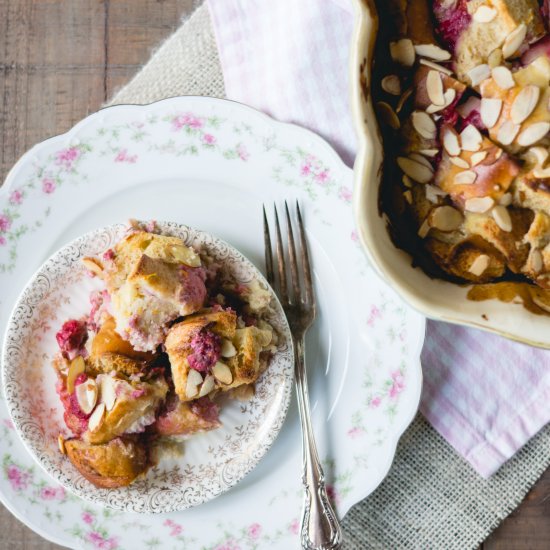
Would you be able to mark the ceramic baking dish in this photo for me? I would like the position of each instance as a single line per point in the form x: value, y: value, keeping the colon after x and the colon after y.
x: 434, y: 298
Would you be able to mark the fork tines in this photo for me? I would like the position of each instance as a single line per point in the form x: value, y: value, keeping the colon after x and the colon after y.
x: 297, y: 297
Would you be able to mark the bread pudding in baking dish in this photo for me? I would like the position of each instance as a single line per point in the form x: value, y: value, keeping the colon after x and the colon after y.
x: 168, y: 335
x: 462, y: 90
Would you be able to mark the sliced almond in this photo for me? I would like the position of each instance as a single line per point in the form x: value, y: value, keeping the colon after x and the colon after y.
x: 107, y: 392
x: 207, y: 386
x: 61, y: 444
x: 86, y: 396
x: 402, y: 52
x: 449, y: 97
x: 484, y: 14
x: 460, y: 162
x: 407, y: 195
x: 436, y: 66
x: 228, y: 349
x: 222, y: 373
x: 450, y: 142
x: 391, y: 84
x: 416, y: 171
x: 388, y: 115
x: 406, y: 181
x: 403, y: 99
x: 506, y: 199
x: 97, y: 417
x: 533, y: 133
x: 476, y: 158
x: 507, y: 132
x: 479, y: 265
x: 470, y: 138
x: 479, y: 204
x: 514, y: 40
x: 434, y: 87
x: 433, y: 193
x: 538, y: 154
x: 93, y: 265
x: 465, y: 178
x: 502, y: 217
x: 503, y: 77
x: 446, y: 218
x: 430, y: 153
x: 544, y: 306
x: 495, y: 58
x: 541, y: 173
x: 420, y: 159
x: 432, y: 51
x: 490, y: 111
x: 524, y: 103
x: 536, y: 261
x: 77, y: 366
x: 423, y: 124
x: 479, y: 73
x: 194, y: 380
x: 424, y: 229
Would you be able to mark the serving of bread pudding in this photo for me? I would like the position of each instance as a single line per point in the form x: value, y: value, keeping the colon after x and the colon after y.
x: 463, y: 93
x: 168, y: 335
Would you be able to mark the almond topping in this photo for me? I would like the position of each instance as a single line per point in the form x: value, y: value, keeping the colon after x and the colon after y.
x: 479, y: 204
x: 391, y: 84
x: 402, y: 100
x: 536, y: 261
x: 194, y: 380
x: 490, y: 111
x: 449, y: 96
x: 436, y: 66
x: 446, y: 218
x: 470, y: 138
x: 506, y: 199
x: 476, y: 158
x: 541, y: 173
x: 222, y: 373
x: 416, y: 171
x: 406, y: 181
x: 539, y: 154
x: 479, y: 265
x: 107, y: 392
x: 61, y: 444
x: 388, y: 115
x: 541, y: 304
x: 465, y: 178
x: 429, y: 152
x: 228, y: 349
x: 424, y: 229
x: 484, y: 14
x: 420, y: 159
x: 524, y: 103
x: 450, y: 142
x: 460, y: 162
x: 533, y: 133
x: 97, y: 417
x: 207, y: 386
x: 407, y: 195
x: 514, y: 40
x: 433, y: 193
x: 86, y: 395
x: 503, y: 77
x: 434, y: 87
x: 76, y: 367
x: 93, y: 265
x: 479, y: 74
x: 432, y: 52
x: 502, y: 218
x: 402, y: 52
x: 507, y: 132
x: 423, y: 124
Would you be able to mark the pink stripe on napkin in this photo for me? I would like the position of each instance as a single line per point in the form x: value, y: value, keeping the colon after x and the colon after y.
x: 485, y: 395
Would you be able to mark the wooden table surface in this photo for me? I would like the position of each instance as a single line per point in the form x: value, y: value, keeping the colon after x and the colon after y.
x: 59, y: 61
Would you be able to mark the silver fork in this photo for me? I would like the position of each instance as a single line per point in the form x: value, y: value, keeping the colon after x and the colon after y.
x: 320, y: 528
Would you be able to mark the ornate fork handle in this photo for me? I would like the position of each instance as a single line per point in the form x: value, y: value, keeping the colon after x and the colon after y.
x: 320, y: 528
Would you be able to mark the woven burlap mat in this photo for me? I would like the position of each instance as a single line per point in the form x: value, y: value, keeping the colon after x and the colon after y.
x: 431, y: 497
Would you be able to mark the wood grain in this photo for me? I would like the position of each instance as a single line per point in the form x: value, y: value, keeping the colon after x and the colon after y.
x: 59, y: 61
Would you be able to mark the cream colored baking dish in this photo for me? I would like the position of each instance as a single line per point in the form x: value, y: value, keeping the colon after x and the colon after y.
x: 436, y: 299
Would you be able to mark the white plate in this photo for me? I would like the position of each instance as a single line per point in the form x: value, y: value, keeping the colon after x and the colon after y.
x: 207, y: 464
x: 210, y: 164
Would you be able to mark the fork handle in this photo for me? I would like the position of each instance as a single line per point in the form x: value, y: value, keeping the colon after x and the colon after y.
x: 320, y: 528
